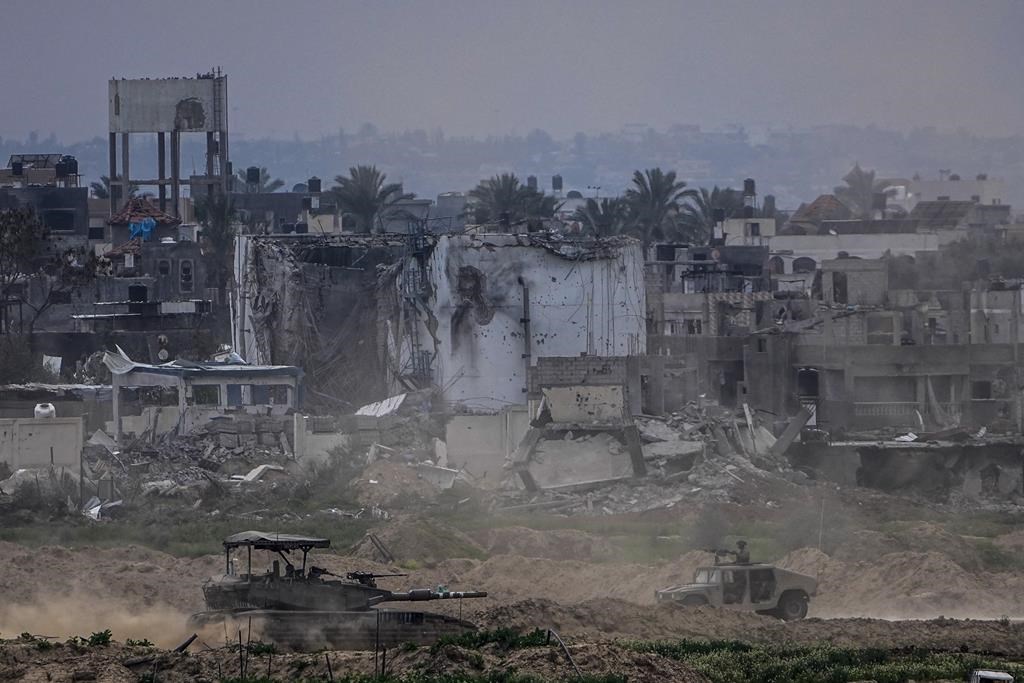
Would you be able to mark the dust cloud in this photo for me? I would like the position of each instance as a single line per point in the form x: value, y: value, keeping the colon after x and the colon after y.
x: 80, y: 614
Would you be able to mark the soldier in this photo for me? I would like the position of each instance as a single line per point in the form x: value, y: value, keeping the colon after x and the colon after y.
x: 742, y: 554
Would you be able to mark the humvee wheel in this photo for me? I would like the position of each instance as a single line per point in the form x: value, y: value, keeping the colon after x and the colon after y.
x: 792, y: 606
x: 694, y: 601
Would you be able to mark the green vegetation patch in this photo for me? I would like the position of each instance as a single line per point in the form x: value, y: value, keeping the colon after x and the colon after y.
x: 493, y: 677
x: 737, y: 662
x: 504, y: 638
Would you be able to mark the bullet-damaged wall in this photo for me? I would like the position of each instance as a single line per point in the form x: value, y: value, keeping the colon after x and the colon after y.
x: 583, y: 299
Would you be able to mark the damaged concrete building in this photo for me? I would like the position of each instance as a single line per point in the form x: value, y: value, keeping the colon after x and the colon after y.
x: 370, y: 316
x: 480, y: 310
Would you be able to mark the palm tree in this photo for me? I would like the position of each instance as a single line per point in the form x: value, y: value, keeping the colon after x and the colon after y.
x: 365, y: 196
x: 216, y: 213
x: 653, y: 200
x: 603, y: 218
x: 265, y: 186
x: 101, y: 189
x: 696, y: 218
x: 500, y: 195
x: 539, y: 205
x: 859, y: 191
x: 504, y: 194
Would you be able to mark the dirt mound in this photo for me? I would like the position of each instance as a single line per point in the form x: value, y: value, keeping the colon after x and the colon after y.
x: 921, y: 537
x: 513, y: 577
x: 904, y: 585
x: 995, y: 637
x: 1013, y: 542
x: 418, y: 542
x: 558, y: 544
x: 597, y: 619
x: 621, y: 619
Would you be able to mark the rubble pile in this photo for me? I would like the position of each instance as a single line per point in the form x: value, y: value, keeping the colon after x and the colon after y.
x: 230, y: 452
x: 703, y: 453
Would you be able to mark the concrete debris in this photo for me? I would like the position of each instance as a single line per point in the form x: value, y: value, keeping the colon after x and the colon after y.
x: 441, y: 477
x: 97, y: 510
x: 672, y: 449
x: 653, y: 430
x: 382, y: 408
x: 42, y: 481
x: 258, y: 473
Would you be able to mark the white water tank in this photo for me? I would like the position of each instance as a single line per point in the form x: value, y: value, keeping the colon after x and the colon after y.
x: 45, y: 410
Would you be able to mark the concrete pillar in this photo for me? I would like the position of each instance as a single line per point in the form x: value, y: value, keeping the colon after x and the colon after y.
x: 112, y: 172
x: 175, y: 173
x: 182, y: 405
x: 116, y: 389
x: 161, y: 156
x: 125, y: 165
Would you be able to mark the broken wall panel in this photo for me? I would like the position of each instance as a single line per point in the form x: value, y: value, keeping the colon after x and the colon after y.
x: 586, y: 404
x: 581, y: 458
x: 41, y: 442
x: 494, y: 303
x: 480, y: 445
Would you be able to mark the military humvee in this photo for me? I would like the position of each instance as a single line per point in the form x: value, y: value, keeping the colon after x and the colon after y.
x: 754, y: 587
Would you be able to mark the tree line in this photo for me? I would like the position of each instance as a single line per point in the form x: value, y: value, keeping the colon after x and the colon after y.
x: 657, y: 206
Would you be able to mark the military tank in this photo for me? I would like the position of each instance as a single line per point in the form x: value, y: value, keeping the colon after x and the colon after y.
x: 307, y: 607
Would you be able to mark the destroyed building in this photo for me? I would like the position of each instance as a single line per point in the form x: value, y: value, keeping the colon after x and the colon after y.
x: 480, y: 310
x: 318, y: 302
x: 369, y: 316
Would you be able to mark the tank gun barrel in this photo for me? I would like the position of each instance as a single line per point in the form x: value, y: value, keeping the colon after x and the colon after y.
x: 420, y: 594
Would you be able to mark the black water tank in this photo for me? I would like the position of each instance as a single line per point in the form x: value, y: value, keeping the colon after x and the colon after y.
x: 748, y: 187
x: 768, y: 207
x: 252, y: 175
x: 70, y: 163
x: 287, y: 228
x: 531, y: 182
x: 556, y: 183
x: 314, y: 185
x: 17, y: 168
x: 61, y: 168
x: 301, y: 228
x: 137, y: 293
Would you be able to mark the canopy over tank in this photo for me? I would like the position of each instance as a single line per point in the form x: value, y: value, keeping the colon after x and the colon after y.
x: 301, y: 607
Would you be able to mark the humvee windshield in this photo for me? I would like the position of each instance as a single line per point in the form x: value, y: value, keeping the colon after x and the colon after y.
x: 707, y: 576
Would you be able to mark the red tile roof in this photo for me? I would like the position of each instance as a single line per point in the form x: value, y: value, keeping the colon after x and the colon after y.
x: 132, y: 246
x: 826, y: 207
x: 137, y: 208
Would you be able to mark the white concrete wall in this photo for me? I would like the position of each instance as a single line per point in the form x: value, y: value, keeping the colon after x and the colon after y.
x: 315, y: 446
x: 585, y: 404
x: 27, y: 442
x: 989, y: 191
x: 826, y: 247
x: 576, y: 306
x: 480, y: 444
x: 149, y: 105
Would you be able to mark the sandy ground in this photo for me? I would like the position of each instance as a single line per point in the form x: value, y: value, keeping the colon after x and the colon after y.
x: 141, y: 593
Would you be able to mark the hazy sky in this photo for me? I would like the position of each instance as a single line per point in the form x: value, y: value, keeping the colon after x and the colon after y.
x: 475, y: 68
